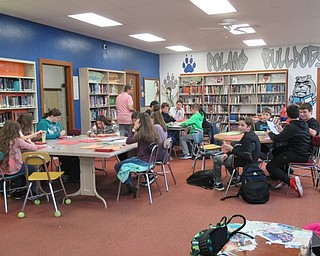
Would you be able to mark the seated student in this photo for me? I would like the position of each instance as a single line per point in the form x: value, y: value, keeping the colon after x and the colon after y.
x: 168, y: 119
x: 103, y: 125
x: 161, y: 129
x: 209, y: 128
x: 177, y: 112
x: 153, y: 104
x: 262, y: 125
x: 306, y: 115
x: 195, y: 125
x: 298, y: 149
x: 247, y: 150
x: 51, y: 125
x: 144, y: 133
x: 11, y: 146
x: 26, y: 123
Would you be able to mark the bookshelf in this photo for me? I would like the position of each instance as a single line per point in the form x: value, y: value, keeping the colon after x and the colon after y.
x: 99, y: 89
x: 18, y: 89
x: 225, y: 97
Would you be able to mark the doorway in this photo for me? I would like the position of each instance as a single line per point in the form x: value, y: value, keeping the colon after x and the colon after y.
x: 133, y: 78
x: 56, y: 89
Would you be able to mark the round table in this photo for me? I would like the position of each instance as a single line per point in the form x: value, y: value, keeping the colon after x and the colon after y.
x: 229, y: 137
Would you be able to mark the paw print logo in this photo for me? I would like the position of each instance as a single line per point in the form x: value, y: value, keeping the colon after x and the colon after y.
x: 188, y: 64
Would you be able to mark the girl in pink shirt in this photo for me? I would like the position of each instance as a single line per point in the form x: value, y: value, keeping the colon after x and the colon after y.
x: 11, y: 146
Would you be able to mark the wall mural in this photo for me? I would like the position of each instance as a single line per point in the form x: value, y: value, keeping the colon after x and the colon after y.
x: 234, y: 61
x: 170, y: 89
x: 308, y: 56
x: 304, y: 90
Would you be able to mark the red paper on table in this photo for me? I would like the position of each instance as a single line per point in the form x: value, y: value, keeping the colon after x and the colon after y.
x: 90, y: 140
x: 107, y: 149
x: 234, y: 137
x: 68, y: 142
x: 107, y: 135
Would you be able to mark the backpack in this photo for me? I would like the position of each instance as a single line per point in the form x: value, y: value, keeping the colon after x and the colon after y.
x: 254, y: 188
x: 202, y: 179
x: 209, y: 242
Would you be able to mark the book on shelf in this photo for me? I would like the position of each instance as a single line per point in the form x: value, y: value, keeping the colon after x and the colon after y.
x: 266, y: 78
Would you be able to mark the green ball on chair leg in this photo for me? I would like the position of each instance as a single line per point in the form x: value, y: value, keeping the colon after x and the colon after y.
x: 68, y: 201
x: 37, y: 202
x: 21, y: 215
x: 57, y: 214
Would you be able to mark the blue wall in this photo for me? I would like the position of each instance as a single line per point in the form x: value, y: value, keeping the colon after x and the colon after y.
x: 24, y: 40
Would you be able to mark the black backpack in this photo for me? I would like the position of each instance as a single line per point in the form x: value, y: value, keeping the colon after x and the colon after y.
x: 254, y: 188
x: 202, y: 179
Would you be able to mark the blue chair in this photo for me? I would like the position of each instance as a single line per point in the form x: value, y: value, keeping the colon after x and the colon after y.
x: 7, y: 179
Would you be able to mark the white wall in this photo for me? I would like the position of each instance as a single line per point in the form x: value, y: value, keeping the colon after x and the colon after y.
x: 299, y: 60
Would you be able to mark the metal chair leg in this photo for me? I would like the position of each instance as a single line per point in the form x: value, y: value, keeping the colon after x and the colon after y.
x: 174, y: 179
x: 165, y: 176
x: 53, y: 197
x: 5, y: 197
x: 229, y: 183
x: 119, y: 191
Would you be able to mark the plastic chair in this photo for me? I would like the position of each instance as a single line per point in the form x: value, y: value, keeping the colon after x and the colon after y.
x: 167, y: 144
x: 40, y: 160
x: 150, y: 170
x: 196, y: 143
x: 205, y: 151
x: 4, y: 178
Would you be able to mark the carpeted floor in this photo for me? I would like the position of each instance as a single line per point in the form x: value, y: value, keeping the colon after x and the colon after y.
x: 132, y: 226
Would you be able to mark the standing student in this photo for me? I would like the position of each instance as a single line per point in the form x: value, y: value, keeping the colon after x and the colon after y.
x: 51, y: 125
x: 124, y: 106
x: 195, y: 125
x: 103, y: 125
x: 247, y: 150
x: 144, y: 133
x: 177, y: 112
x: 298, y: 149
x: 11, y: 146
x: 306, y: 115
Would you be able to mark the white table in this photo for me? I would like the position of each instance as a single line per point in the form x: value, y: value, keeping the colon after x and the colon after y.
x: 87, y: 161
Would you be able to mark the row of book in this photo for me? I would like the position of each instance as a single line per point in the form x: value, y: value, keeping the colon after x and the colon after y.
x: 275, y: 109
x: 191, y: 89
x: 215, y: 108
x: 243, y: 99
x: 271, y: 88
x: 271, y: 99
x: 11, y: 115
x: 97, y: 112
x: 14, y: 84
x: 216, y: 99
x: 16, y: 101
x: 191, y: 99
x: 96, y: 88
x: 242, y: 88
x: 217, y: 89
x: 99, y: 101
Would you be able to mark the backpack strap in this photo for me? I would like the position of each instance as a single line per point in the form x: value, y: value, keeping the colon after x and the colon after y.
x: 239, y: 228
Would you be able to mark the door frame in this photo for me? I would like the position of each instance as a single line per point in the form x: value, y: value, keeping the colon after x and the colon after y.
x: 136, y: 89
x: 68, y: 69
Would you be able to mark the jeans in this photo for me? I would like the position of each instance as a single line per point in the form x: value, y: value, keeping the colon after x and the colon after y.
x: 134, y: 160
x: 217, y: 162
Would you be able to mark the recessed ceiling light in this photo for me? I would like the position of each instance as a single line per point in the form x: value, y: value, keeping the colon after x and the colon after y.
x: 254, y: 42
x: 214, y: 6
x: 95, y: 19
x: 179, y: 48
x: 241, y: 29
x: 148, y: 37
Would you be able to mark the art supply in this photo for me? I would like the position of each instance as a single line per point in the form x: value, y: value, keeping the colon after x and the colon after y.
x: 43, y: 137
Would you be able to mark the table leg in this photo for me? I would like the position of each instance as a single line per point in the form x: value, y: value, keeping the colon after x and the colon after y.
x: 88, y: 179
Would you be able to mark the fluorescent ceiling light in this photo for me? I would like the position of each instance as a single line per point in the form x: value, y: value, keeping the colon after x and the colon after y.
x: 148, y: 37
x: 95, y: 19
x: 254, y: 42
x: 214, y: 6
x: 241, y: 29
x: 179, y: 48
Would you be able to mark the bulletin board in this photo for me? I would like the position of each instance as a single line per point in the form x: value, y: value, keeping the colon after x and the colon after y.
x: 151, y: 90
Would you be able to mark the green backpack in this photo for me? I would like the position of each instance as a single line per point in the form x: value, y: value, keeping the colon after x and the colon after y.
x: 209, y: 242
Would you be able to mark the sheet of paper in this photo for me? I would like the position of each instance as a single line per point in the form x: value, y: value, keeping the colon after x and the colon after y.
x: 273, y: 127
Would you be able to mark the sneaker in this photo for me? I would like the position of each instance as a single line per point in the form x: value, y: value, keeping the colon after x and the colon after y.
x: 296, y: 185
x: 278, y: 185
x: 151, y: 180
x: 185, y: 156
x: 218, y: 186
x: 235, y: 182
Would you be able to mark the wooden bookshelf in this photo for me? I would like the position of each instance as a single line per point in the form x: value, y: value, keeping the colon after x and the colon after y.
x: 225, y: 97
x: 99, y: 89
x: 18, y: 89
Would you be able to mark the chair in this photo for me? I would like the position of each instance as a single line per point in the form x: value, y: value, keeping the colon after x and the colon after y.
x: 150, y: 170
x: 196, y: 143
x: 204, y: 152
x: 40, y: 160
x: 4, y: 178
x: 167, y: 144
x: 311, y: 165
